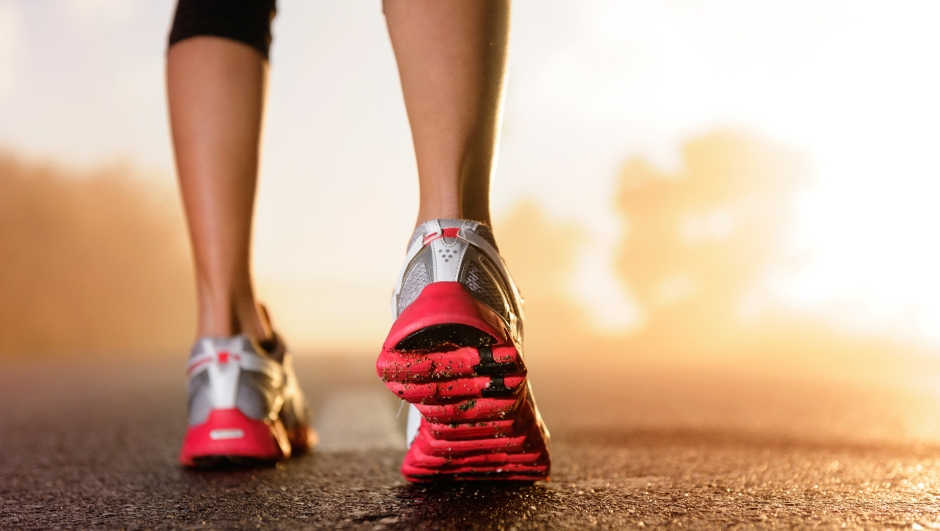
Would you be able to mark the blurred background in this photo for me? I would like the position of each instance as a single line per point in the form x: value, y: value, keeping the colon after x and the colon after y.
x: 722, y: 183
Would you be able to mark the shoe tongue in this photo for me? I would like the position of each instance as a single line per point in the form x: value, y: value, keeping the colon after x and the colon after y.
x: 428, y: 227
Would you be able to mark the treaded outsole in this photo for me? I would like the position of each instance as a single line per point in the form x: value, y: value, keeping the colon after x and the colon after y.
x: 479, y: 421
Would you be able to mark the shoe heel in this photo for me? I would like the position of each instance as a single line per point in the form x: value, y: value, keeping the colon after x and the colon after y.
x: 445, y: 313
x: 230, y: 437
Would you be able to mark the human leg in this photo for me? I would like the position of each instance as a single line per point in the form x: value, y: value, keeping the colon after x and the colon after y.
x: 216, y: 91
x: 452, y: 63
x: 455, y: 349
x: 244, y: 401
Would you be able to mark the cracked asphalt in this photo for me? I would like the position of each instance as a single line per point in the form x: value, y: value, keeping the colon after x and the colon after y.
x: 91, y: 444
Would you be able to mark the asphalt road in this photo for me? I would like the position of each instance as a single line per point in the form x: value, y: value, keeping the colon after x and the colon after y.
x: 92, y: 444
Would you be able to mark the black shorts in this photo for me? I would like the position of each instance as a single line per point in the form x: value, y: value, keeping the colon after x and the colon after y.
x: 246, y: 21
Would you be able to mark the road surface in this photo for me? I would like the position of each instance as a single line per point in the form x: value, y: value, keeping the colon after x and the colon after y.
x: 92, y: 444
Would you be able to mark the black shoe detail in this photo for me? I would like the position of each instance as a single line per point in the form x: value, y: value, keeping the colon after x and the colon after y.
x: 497, y: 388
x: 433, y: 338
x: 490, y: 367
x: 230, y: 462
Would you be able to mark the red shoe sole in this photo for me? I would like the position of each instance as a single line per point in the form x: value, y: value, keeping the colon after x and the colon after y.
x: 229, y: 435
x: 452, y: 357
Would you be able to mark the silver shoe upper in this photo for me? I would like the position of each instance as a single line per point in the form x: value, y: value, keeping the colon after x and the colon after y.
x: 459, y: 250
x: 226, y: 373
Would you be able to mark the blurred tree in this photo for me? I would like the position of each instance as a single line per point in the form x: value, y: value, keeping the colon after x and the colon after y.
x: 699, y: 239
x: 541, y: 253
x: 90, y: 262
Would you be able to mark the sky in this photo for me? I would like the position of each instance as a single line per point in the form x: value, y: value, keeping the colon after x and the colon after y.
x: 591, y: 84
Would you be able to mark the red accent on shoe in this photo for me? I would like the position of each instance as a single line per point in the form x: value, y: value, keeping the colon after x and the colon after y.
x: 197, y: 365
x: 452, y: 232
x: 442, y: 303
x: 229, y: 433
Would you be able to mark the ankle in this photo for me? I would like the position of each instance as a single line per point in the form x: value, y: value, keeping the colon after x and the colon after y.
x: 227, y: 316
x: 427, y: 214
x: 438, y: 210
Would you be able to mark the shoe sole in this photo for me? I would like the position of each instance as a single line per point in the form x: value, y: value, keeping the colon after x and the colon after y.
x: 450, y: 356
x: 230, y: 439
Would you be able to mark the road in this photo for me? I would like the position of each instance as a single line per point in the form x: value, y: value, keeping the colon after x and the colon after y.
x: 92, y: 444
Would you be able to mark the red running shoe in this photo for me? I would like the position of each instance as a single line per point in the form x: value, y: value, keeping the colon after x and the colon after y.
x: 455, y: 353
x: 245, y: 407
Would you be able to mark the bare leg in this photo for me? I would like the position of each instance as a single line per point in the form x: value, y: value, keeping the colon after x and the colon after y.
x: 216, y: 96
x: 452, y: 62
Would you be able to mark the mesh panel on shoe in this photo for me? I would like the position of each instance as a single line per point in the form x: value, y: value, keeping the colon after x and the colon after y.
x: 415, y: 281
x: 415, y: 236
x: 199, y: 404
x: 295, y: 413
x: 197, y: 349
x: 487, y: 234
x: 255, y: 395
x: 484, y: 287
x: 480, y: 277
x: 256, y: 392
x: 247, y: 345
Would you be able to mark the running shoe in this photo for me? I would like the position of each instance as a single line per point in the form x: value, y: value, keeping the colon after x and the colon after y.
x: 455, y: 353
x: 245, y: 407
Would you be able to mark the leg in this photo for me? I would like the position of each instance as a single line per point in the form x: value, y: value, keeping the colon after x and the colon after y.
x: 452, y: 62
x: 216, y: 92
x: 455, y: 349
x: 244, y: 401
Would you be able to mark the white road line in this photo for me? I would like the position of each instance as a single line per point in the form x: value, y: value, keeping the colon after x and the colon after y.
x: 358, y: 420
